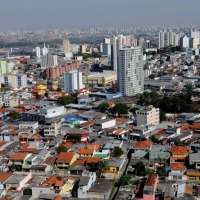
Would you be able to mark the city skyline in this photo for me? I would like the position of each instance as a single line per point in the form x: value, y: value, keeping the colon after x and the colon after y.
x: 47, y: 14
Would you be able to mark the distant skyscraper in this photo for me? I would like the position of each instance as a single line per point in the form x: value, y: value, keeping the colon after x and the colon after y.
x: 161, y: 39
x: 117, y: 44
x: 44, y: 50
x: 66, y: 46
x: 195, y: 33
x: 106, y: 47
x: 73, y: 81
x: 185, y: 42
x: 130, y: 71
x: 169, y: 38
x: 38, y: 52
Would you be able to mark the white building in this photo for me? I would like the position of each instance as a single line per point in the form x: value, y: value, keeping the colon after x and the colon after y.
x: 106, y: 47
x: 49, y: 61
x: 38, y: 52
x: 53, y: 111
x: 52, y: 127
x: 117, y: 44
x: 29, y: 127
x: 15, y: 81
x: 130, y: 71
x: 73, y: 81
x: 44, y: 50
x: 148, y: 116
x: 168, y: 38
x: 185, y: 42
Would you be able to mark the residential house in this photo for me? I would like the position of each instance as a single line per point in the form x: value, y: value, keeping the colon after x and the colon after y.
x: 67, y: 188
x: 86, y: 181
x: 194, y: 159
x: 85, y: 152
x: 143, y: 145
x: 179, y: 153
x: 113, y: 168
x: 17, y: 182
x: 101, y: 189
x: 3, y: 177
x: 55, y: 182
x: 177, y: 172
x: 158, y: 154
x: 16, y: 160
x: 66, y: 159
x: 150, y: 187
x: 193, y: 174
x: 30, y: 127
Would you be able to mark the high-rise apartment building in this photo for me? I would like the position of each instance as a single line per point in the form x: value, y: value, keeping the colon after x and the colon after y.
x: 44, y: 50
x: 185, y: 42
x: 15, y: 81
x: 6, y: 67
x: 73, y: 81
x: 130, y: 71
x: 117, y: 44
x: 106, y: 47
x: 168, y: 38
x: 49, y: 61
x: 38, y: 52
x: 66, y: 46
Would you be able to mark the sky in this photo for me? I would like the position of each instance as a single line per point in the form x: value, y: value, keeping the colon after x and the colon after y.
x: 47, y: 14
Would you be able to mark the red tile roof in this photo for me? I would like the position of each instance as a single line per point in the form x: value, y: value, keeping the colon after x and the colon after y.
x: 151, y: 180
x: 4, y: 176
x: 177, y: 166
x: 179, y: 150
x: 57, y: 197
x: 53, y: 181
x: 146, y: 144
x: 67, y: 144
x: 50, y: 161
x: 65, y: 157
x: 18, y: 156
x: 87, y: 160
x: 94, y: 146
x: 85, y: 151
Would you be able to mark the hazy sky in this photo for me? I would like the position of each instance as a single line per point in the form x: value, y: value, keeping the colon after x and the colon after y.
x: 43, y: 14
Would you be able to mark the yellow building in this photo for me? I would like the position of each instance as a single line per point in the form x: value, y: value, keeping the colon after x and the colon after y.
x: 100, y: 79
x: 67, y: 188
x: 193, y: 175
x: 5, y: 67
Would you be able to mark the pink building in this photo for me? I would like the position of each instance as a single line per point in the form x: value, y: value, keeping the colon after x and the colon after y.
x: 54, y: 73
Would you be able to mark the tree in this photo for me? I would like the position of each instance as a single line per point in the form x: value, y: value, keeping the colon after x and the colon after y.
x: 140, y: 169
x: 65, y: 100
x: 117, y: 152
x: 177, y: 142
x: 124, y: 180
x: 161, y: 171
x: 102, y: 107
x: 120, y: 109
x: 61, y: 148
x: 27, y: 191
x: 14, y: 115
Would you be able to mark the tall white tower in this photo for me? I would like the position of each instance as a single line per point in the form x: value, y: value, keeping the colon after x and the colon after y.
x: 44, y: 50
x: 38, y: 52
x: 130, y: 71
